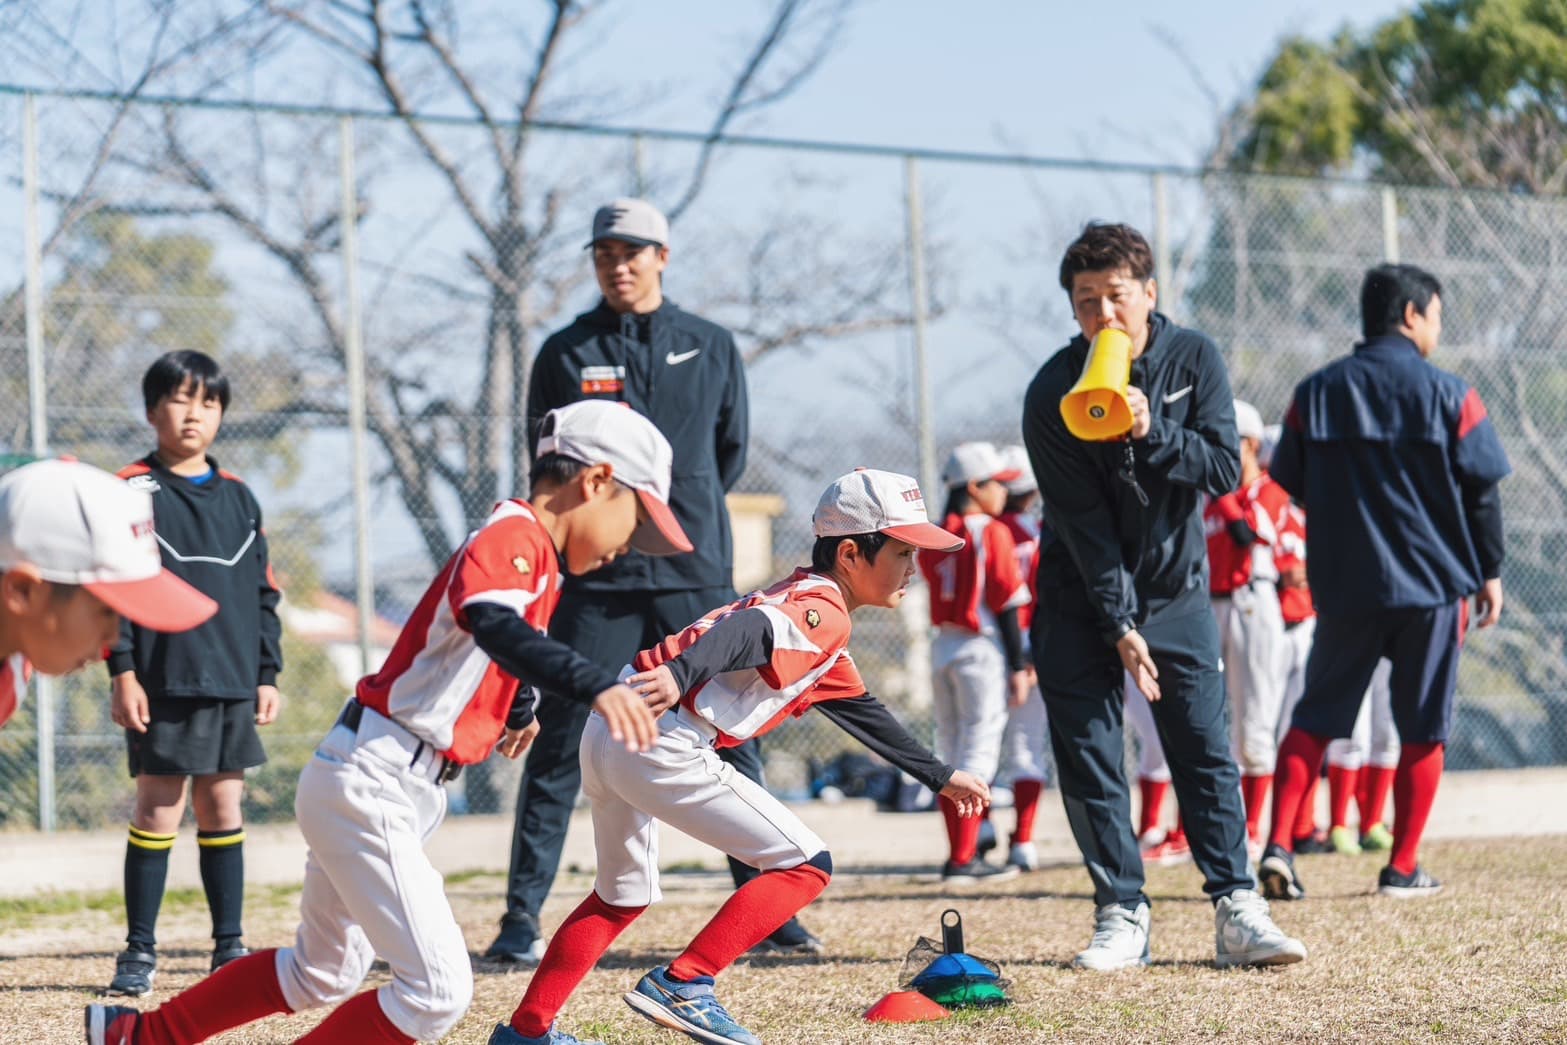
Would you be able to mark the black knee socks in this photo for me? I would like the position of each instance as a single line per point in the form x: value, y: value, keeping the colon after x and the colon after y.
x: 146, y: 871
x: 223, y: 878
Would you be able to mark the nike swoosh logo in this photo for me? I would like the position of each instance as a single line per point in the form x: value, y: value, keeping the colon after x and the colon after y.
x: 1174, y: 396
x: 676, y: 358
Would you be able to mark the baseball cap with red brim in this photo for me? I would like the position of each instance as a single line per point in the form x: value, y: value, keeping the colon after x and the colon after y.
x: 75, y: 524
x: 977, y: 463
x: 596, y: 431
x: 871, y: 501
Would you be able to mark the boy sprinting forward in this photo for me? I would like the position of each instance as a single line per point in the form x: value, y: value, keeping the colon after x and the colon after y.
x: 190, y: 703
x: 77, y: 552
x: 373, y: 794
x: 735, y: 674
x: 979, y: 659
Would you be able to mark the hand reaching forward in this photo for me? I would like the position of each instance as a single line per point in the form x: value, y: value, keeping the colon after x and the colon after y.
x: 968, y: 792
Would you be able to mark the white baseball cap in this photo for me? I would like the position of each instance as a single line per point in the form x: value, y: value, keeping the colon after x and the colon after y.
x: 631, y: 221
x: 597, y: 431
x: 975, y: 463
x: 1248, y: 421
x: 1016, y: 459
x: 75, y: 524
x: 871, y: 501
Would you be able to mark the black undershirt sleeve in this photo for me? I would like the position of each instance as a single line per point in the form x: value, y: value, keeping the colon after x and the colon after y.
x: 1011, y: 639
x: 1242, y: 534
x: 739, y: 641
x: 533, y: 659
x: 867, y: 720
x: 1484, y: 511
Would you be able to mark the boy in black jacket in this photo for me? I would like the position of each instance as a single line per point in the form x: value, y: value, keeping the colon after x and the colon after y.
x: 190, y: 703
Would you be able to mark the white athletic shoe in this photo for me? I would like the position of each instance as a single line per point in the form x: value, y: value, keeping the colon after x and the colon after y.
x: 1024, y: 856
x: 1120, y: 940
x: 1244, y: 933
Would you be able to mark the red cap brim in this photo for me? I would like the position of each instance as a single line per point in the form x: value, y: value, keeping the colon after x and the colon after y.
x: 162, y: 603
x: 1008, y: 475
x: 926, y: 535
x: 661, y: 533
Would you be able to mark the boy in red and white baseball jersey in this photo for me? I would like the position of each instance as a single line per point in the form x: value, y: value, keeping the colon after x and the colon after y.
x: 1026, y: 737
x: 735, y: 674
x: 1242, y: 530
x: 449, y: 689
x: 979, y: 662
x: 77, y: 552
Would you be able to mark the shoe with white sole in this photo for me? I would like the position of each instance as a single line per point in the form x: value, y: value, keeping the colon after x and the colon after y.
x: 1402, y: 886
x: 1244, y: 933
x: 1120, y: 940
x: 111, y: 1025
x: 690, y: 1008
x: 1277, y: 874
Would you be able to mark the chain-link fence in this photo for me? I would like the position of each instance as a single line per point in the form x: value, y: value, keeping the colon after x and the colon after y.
x: 167, y: 226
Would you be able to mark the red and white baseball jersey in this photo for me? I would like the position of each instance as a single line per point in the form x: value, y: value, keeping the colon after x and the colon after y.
x: 1024, y: 528
x: 969, y: 587
x: 436, y: 682
x: 14, y: 673
x: 810, y: 661
x: 1294, y: 603
x: 1230, y: 565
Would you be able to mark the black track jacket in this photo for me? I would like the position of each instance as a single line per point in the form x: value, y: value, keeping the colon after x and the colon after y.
x: 1113, y: 560
x: 685, y: 375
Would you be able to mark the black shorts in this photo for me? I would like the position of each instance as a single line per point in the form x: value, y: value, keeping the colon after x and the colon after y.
x: 196, y: 736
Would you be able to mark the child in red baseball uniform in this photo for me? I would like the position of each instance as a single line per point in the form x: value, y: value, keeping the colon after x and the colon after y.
x: 735, y: 674
x: 979, y: 660
x: 449, y: 689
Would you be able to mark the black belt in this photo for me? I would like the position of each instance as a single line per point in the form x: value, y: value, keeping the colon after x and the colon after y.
x: 354, y: 713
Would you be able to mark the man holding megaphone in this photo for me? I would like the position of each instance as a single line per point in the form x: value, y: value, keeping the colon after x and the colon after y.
x: 1127, y: 427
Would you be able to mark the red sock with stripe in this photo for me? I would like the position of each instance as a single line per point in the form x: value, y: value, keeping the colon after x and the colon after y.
x: 575, y: 948
x: 245, y: 989
x: 1414, y: 793
x: 962, y: 831
x: 1025, y: 798
x: 1153, y: 795
x: 1254, y: 794
x: 1300, y: 761
x: 360, y: 1020
x: 1341, y: 788
x: 1375, y: 785
x: 749, y: 916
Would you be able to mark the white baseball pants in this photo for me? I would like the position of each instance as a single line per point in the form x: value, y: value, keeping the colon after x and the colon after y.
x: 1375, y: 740
x: 1151, y: 764
x: 1251, y: 641
x: 1297, y: 650
x: 969, y: 691
x: 366, y: 805
x: 1025, y: 740
x: 682, y: 782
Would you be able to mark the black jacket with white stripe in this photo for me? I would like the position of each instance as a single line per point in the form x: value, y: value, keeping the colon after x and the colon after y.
x: 211, y: 536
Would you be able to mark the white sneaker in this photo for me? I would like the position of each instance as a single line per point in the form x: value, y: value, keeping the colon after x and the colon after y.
x: 1120, y: 940
x: 1024, y: 856
x: 1244, y: 933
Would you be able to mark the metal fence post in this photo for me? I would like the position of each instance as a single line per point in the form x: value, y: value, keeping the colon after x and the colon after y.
x: 1161, y: 242
x: 38, y: 417
x: 916, y: 606
x: 1389, y: 224
x: 353, y: 338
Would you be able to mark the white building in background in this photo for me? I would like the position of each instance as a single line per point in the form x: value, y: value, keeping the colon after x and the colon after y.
x: 332, y: 623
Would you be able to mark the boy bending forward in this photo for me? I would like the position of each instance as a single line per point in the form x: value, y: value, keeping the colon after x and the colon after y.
x: 732, y: 675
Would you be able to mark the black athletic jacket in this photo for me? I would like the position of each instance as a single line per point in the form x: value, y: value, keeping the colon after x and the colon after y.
x: 210, y: 536
x: 685, y: 375
x: 1118, y: 557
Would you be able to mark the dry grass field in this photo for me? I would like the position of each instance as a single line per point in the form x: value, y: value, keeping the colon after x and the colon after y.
x: 1486, y: 961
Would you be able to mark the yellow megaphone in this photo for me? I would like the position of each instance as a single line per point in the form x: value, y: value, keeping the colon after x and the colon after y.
x: 1096, y: 410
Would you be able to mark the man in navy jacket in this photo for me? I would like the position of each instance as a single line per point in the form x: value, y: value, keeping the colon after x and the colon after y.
x: 1123, y: 588
x: 1398, y: 468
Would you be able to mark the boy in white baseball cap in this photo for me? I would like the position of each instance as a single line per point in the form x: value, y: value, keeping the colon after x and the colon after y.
x: 735, y: 674
x: 76, y: 551
x: 455, y: 682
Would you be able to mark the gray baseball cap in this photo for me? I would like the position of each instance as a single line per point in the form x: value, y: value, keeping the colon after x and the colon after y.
x: 631, y: 221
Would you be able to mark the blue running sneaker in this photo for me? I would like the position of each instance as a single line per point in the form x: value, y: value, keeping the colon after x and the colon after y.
x: 689, y: 1008
x: 503, y: 1034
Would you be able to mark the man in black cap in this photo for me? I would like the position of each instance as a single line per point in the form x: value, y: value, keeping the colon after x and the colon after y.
x: 685, y: 374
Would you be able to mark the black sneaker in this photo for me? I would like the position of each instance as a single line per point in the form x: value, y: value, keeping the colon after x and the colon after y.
x: 1312, y: 844
x: 225, y: 952
x: 791, y: 938
x: 987, y: 837
x: 133, y: 974
x: 518, y: 942
x: 975, y: 871
x: 1402, y: 886
x: 1277, y: 874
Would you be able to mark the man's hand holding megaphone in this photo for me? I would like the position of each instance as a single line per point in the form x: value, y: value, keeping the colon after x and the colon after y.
x: 1104, y: 405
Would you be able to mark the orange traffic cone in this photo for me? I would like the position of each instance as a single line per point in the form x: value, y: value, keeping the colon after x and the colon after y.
x: 905, y: 1007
